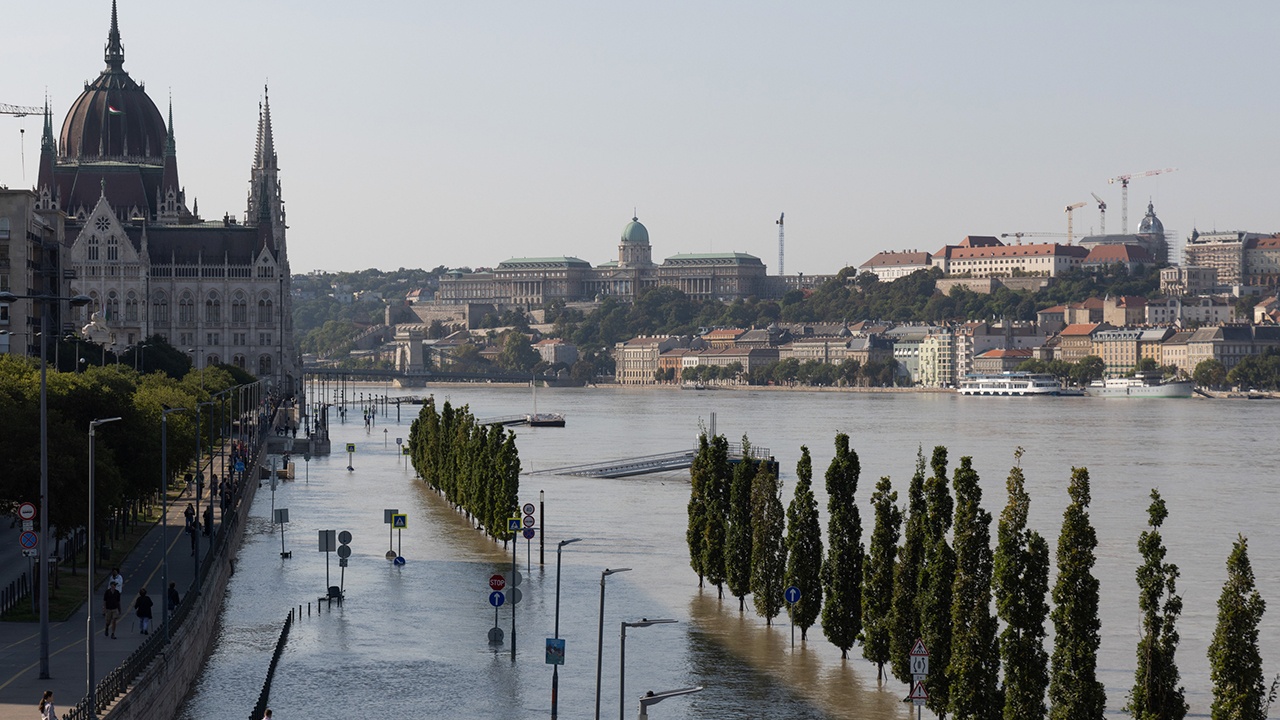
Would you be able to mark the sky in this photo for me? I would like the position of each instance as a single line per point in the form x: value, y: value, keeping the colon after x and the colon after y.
x: 419, y: 134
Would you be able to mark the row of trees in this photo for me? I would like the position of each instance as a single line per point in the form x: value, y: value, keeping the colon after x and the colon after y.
x: 475, y: 466
x: 127, y: 453
x: 976, y: 608
x: 1261, y: 372
x: 849, y: 372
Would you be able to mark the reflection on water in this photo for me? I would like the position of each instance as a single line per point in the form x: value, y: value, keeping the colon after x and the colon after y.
x: 411, y: 641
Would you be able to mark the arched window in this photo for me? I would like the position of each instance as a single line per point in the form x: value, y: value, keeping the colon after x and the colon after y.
x: 239, y: 309
x: 186, y: 309
x: 95, y: 303
x: 264, y: 311
x: 211, y: 360
x: 264, y: 365
x: 113, y: 307
x: 93, y: 247
x: 113, y: 248
x: 238, y: 361
x: 213, y: 309
x: 160, y: 307
x: 131, y: 307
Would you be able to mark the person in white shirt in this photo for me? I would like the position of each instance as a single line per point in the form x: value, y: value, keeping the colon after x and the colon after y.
x: 116, y: 578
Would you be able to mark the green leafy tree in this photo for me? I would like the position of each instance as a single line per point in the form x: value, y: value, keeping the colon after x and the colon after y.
x: 717, y: 496
x: 517, y: 354
x: 905, y: 628
x: 1235, y: 663
x: 933, y: 599
x: 877, y: 591
x: 1074, y: 690
x: 1020, y: 582
x: 974, y: 670
x: 737, y: 553
x: 842, y: 570
x: 1209, y: 373
x: 804, y: 548
x: 1156, y: 694
x: 768, y: 547
x: 699, y: 480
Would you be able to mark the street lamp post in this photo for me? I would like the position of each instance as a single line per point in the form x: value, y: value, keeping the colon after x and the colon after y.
x: 652, y: 698
x: 7, y: 298
x: 622, y: 668
x: 164, y: 505
x: 555, y: 669
x: 600, y: 641
x: 88, y: 627
x: 199, y: 492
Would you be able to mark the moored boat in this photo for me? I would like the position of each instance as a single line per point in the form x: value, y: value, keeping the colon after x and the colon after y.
x: 1142, y: 385
x: 1014, y: 384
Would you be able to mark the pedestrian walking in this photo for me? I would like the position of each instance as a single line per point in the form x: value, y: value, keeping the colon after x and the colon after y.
x: 208, y: 520
x: 110, y: 610
x: 117, y: 578
x: 189, y: 514
x: 194, y: 531
x: 46, y: 706
x: 174, y: 599
x: 142, y: 608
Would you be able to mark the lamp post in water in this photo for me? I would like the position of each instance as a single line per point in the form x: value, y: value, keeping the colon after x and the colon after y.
x: 88, y: 626
x: 622, y: 668
x: 555, y: 669
x: 7, y: 298
x: 600, y: 642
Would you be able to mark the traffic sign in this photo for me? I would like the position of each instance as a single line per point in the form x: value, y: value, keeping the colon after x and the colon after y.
x: 792, y: 594
x: 351, y: 447
x: 399, y: 441
x: 342, y: 562
x: 496, y: 598
x: 28, y: 524
x: 344, y: 537
x: 513, y: 524
x: 516, y: 578
x: 28, y: 540
x: 328, y: 541
x: 391, y: 555
x: 516, y: 595
x: 344, y: 551
x: 399, y: 560
x: 555, y: 651
x: 26, y: 511
x: 920, y: 665
x: 400, y: 521
x: 388, y: 514
x: 240, y: 466
x: 529, y: 533
x: 529, y: 508
x: 281, y: 515
x: 497, y: 582
x: 495, y: 635
x: 918, y: 694
x: 919, y: 649
x: 31, y: 553
x: 404, y: 449
x: 529, y: 521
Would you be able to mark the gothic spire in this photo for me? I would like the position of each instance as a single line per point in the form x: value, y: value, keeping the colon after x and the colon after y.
x: 170, y: 147
x: 115, y: 51
x: 265, y: 150
x: 46, y: 140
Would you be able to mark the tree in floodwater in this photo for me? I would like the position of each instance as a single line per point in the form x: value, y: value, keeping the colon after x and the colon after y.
x: 1235, y: 664
x: 974, y: 670
x: 804, y: 548
x: 933, y: 599
x: 699, y: 480
x: 1074, y: 690
x: 1020, y: 581
x: 905, y: 628
x: 877, y: 569
x: 737, y: 553
x: 842, y: 570
x: 1156, y: 694
x: 717, y: 499
x: 768, y: 549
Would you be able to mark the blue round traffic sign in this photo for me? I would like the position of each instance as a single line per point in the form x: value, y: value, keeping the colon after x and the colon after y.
x: 399, y: 560
x: 792, y: 594
x: 528, y: 533
x: 496, y: 598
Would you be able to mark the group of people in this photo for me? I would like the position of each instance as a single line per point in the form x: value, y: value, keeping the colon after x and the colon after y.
x: 142, y: 604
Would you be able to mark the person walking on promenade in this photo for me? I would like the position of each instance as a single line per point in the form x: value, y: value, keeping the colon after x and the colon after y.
x: 46, y: 707
x: 189, y: 514
x: 174, y: 599
x: 117, y: 578
x: 208, y: 521
x: 110, y: 611
x: 142, y: 608
x: 194, y: 531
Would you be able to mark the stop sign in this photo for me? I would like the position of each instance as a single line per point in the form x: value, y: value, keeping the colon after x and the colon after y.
x: 497, y: 582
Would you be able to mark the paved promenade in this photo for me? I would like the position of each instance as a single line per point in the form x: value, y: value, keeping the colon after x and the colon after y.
x: 20, y: 683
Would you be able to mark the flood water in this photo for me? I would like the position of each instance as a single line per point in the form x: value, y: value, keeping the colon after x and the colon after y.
x: 411, y: 641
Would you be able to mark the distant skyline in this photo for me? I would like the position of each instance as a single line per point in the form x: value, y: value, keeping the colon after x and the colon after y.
x: 425, y: 134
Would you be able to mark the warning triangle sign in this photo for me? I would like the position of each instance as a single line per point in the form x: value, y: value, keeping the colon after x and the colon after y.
x: 918, y: 692
x: 919, y: 648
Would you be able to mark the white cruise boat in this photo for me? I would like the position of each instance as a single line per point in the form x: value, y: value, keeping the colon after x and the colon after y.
x: 1013, y: 384
x: 1142, y: 385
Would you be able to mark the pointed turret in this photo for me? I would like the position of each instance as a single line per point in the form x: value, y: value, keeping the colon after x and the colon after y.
x: 263, y: 180
x: 46, y: 191
x: 170, y: 201
x: 115, y: 51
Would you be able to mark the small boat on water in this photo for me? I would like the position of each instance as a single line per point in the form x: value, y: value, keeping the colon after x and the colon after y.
x: 1142, y: 385
x: 1014, y: 384
x: 537, y: 419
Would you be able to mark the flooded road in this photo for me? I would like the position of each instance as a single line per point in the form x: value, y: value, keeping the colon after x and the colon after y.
x: 411, y: 641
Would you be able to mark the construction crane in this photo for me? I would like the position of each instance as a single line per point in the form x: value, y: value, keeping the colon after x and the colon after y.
x: 1070, y: 212
x: 1102, y: 211
x: 1017, y: 236
x: 1124, y: 193
x: 19, y: 110
x: 780, y: 243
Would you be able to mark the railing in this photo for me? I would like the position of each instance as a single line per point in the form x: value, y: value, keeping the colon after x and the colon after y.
x: 260, y: 708
x: 644, y: 464
x: 14, y: 593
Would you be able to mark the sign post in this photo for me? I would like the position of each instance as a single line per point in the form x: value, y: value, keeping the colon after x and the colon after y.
x: 399, y: 522
x: 351, y: 450
x: 387, y: 514
x: 513, y: 525
x: 919, y: 657
x: 792, y: 596
x: 281, y: 515
x: 328, y: 543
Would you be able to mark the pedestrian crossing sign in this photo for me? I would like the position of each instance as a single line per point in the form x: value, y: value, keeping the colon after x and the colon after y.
x: 400, y: 521
x: 514, y: 524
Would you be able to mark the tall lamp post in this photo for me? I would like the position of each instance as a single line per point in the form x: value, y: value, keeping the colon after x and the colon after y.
x: 622, y: 668
x: 218, y: 436
x: 199, y: 491
x: 600, y: 642
x: 555, y: 669
x: 164, y: 505
x: 90, y: 690
x: 7, y: 298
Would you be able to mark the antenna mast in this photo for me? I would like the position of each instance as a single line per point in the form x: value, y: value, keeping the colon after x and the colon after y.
x: 781, y: 245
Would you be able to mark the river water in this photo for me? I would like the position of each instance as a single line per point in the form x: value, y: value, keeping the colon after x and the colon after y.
x: 411, y: 641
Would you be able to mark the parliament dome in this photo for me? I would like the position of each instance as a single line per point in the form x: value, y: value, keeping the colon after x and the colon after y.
x: 636, y: 233
x: 114, y: 118
x: 1151, y: 224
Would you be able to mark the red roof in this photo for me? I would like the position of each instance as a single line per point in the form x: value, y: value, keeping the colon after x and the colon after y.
x: 887, y: 259
x: 997, y: 353
x: 1037, y: 250
x: 1080, y: 329
x: 1102, y: 254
